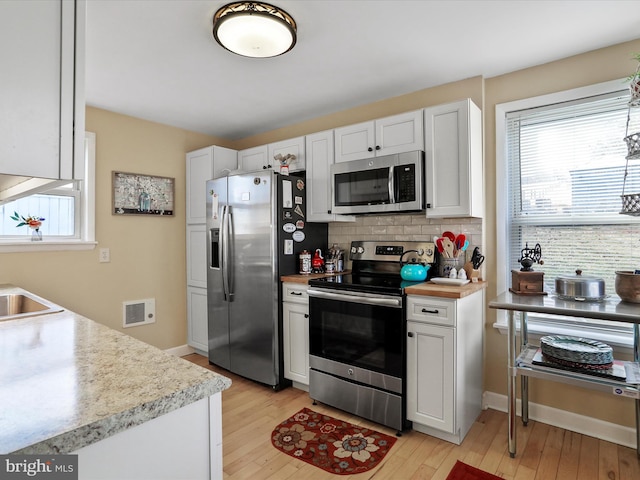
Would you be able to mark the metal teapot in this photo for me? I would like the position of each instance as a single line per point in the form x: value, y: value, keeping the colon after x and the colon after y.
x: 413, y: 271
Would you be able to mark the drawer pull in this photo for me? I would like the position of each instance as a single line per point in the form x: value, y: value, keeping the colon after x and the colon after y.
x: 424, y: 310
x: 410, y: 334
x: 295, y: 293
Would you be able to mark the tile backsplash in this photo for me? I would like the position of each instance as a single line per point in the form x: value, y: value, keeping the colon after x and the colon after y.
x: 403, y: 227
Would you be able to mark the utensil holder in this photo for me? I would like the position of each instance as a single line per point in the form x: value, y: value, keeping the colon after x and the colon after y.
x: 446, y: 264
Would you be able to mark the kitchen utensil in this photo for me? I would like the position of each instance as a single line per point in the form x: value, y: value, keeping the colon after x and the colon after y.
x: 449, y: 247
x: 439, y: 245
x: 450, y: 235
x: 477, y: 258
x: 460, y: 239
x: 465, y: 246
x: 628, y: 286
x: 580, y: 287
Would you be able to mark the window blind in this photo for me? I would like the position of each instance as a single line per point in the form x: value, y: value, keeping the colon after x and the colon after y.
x: 566, y: 167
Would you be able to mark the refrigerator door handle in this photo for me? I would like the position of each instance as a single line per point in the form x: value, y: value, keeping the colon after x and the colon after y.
x: 226, y: 243
x: 224, y: 253
x: 230, y: 253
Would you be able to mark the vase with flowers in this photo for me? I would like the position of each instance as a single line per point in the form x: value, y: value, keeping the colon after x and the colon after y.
x: 33, y: 222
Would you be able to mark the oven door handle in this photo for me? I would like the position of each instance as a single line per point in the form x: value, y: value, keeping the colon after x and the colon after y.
x: 393, y: 302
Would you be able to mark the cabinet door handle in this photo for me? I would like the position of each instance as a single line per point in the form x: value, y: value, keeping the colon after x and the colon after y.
x: 424, y: 310
x: 410, y: 334
x: 377, y: 147
x: 306, y: 315
x: 428, y: 205
x: 295, y: 293
x: 369, y: 149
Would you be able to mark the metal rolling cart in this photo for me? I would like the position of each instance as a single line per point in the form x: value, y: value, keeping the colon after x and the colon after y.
x: 521, y: 362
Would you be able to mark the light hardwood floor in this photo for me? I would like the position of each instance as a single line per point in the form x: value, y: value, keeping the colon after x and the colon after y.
x: 251, y: 411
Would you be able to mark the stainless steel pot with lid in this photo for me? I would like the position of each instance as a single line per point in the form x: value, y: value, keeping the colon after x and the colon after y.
x: 580, y: 287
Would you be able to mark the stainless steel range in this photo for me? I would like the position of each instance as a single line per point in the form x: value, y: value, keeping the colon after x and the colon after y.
x: 357, y: 332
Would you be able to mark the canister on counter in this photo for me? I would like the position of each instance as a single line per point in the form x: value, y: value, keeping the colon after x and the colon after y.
x: 305, y: 262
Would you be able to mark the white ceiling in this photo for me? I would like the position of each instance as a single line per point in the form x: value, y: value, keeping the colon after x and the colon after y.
x: 157, y: 59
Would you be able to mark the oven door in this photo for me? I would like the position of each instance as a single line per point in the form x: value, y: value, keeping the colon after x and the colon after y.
x: 357, y: 336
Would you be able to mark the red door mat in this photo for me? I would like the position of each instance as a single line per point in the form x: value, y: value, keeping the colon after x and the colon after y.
x: 462, y: 471
x: 331, y: 444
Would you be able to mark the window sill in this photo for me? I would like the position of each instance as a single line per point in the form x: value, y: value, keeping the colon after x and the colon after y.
x: 620, y: 341
x: 47, y: 246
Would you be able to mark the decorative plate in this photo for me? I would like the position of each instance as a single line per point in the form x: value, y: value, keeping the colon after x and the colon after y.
x: 450, y: 281
x: 576, y: 350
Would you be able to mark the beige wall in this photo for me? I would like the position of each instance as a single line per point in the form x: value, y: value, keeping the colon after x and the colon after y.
x: 595, y: 67
x: 147, y: 253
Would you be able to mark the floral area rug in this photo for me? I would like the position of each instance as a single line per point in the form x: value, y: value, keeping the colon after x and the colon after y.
x: 331, y: 444
x: 462, y: 471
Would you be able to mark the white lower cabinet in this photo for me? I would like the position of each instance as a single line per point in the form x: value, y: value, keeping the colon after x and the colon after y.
x: 444, y: 364
x: 295, y: 324
x: 197, y: 330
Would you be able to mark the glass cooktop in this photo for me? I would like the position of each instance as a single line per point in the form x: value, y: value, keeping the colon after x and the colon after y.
x: 383, y: 284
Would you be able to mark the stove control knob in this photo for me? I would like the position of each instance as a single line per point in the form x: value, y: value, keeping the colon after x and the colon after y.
x: 360, y: 249
x: 353, y: 249
x: 350, y: 371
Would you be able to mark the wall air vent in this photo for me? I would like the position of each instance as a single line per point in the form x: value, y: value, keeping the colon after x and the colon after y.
x: 138, y: 312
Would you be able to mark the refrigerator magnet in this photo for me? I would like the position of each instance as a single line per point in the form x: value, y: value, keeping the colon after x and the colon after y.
x: 289, y: 227
x: 297, y: 200
x: 287, y: 194
x: 300, y: 184
x: 214, y: 205
x: 288, y: 247
x: 300, y: 224
x: 298, y: 236
x: 299, y: 211
x: 287, y: 215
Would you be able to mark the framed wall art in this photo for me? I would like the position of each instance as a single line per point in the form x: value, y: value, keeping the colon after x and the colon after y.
x: 136, y: 194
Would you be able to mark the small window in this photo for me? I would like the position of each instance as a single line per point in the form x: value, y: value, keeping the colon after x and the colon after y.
x: 57, y: 206
x: 561, y: 166
x: 68, y: 209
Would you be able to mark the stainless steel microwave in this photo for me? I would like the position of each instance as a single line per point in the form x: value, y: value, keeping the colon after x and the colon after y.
x: 391, y: 183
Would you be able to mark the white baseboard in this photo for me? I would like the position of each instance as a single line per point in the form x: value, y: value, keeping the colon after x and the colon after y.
x: 181, y: 350
x: 592, y: 427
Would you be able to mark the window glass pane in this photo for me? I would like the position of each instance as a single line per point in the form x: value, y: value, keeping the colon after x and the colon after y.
x: 58, y: 211
x: 566, y: 173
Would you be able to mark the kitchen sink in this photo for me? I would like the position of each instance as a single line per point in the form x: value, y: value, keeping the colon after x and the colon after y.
x: 18, y: 305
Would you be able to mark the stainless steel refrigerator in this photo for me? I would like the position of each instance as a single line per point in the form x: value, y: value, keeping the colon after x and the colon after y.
x: 256, y: 227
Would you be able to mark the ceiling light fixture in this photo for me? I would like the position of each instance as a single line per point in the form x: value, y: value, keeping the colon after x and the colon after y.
x: 254, y: 29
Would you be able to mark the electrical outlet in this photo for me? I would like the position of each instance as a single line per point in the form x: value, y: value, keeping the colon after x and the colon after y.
x: 105, y: 255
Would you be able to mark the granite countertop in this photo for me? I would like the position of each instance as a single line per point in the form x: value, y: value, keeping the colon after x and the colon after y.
x: 67, y: 382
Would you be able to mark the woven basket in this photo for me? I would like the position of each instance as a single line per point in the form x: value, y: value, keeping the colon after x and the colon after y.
x: 633, y: 145
x: 630, y: 204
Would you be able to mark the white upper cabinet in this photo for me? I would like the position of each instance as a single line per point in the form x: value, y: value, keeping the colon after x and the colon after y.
x: 293, y: 146
x: 255, y: 158
x: 385, y: 136
x: 453, y: 166
x: 319, y: 149
x: 42, y: 93
x: 203, y: 165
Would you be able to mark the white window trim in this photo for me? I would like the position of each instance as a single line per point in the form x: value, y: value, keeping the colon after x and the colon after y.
x: 87, y: 209
x: 620, y: 341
